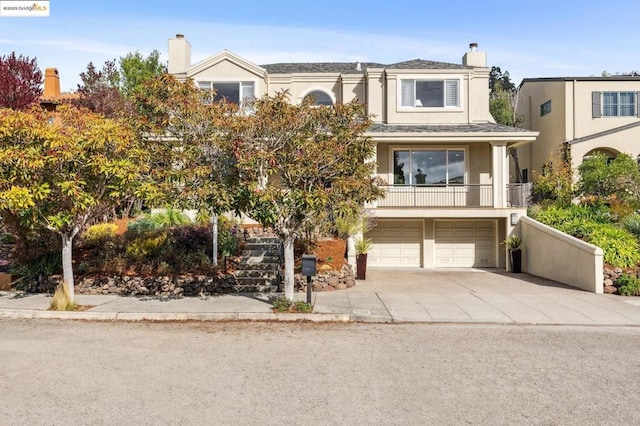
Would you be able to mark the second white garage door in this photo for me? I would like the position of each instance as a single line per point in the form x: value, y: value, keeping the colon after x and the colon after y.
x: 396, y: 243
x: 465, y: 243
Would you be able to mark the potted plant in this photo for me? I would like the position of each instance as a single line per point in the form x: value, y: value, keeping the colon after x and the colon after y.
x: 514, y: 245
x: 362, y: 246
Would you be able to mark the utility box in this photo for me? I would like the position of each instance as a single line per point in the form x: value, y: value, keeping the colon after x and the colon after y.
x: 308, y: 265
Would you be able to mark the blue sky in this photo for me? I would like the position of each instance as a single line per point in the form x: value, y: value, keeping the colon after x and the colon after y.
x: 529, y: 39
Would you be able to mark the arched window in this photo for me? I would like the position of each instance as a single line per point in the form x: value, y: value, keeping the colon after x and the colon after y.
x: 318, y: 97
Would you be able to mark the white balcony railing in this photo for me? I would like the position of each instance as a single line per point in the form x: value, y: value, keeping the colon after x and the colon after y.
x: 437, y: 196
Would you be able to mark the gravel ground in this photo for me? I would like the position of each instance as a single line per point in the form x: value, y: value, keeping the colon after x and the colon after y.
x: 65, y: 372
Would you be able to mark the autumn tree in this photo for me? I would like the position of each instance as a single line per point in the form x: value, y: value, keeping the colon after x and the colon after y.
x: 190, y: 159
x: 99, y: 91
x: 20, y: 81
x: 62, y: 170
x: 299, y: 164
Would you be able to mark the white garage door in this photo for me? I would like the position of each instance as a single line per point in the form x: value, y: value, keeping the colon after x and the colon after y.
x: 465, y: 243
x: 396, y: 243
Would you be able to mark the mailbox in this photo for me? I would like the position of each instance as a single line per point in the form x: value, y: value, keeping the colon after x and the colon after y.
x: 308, y: 265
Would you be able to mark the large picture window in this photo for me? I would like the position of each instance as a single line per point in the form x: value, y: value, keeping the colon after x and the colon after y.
x: 232, y: 91
x: 429, y: 93
x: 429, y: 167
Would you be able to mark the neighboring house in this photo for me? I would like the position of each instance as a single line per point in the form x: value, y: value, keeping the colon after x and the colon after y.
x: 444, y: 159
x: 51, y: 96
x: 588, y: 114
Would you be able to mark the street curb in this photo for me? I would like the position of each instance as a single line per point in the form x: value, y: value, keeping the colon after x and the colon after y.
x: 172, y: 316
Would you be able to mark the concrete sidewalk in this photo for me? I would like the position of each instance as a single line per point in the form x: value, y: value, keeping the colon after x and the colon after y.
x: 388, y: 295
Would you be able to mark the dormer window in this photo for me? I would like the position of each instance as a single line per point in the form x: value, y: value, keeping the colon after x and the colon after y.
x: 231, y: 91
x: 430, y: 93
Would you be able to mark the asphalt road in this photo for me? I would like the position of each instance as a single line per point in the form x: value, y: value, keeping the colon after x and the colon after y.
x: 56, y: 372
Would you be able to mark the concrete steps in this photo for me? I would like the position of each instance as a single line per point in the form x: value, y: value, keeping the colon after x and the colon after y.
x: 260, y: 266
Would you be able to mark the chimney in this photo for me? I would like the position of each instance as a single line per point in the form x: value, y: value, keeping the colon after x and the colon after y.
x: 474, y: 58
x: 179, y: 55
x: 51, y: 84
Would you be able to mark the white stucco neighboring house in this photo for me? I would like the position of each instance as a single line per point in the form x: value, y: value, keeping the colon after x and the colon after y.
x: 443, y: 158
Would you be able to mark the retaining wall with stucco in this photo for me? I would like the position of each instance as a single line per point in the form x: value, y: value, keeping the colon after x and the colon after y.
x: 554, y: 255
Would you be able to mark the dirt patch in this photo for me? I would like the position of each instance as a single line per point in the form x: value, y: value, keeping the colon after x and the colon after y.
x: 330, y: 252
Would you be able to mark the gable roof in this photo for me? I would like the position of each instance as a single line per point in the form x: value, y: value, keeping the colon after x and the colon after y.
x: 352, y: 67
x: 225, y: 55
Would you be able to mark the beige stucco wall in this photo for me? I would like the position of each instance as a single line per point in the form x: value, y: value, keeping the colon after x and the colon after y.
x: 353, y: 87
x: 571, y: 118
x: 375, y: 95
x: 227, y: 70
x: 551, y: 127
x: 546, y: 251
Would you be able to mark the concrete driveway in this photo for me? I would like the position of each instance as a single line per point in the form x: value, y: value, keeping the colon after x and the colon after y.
x: 476, y: 295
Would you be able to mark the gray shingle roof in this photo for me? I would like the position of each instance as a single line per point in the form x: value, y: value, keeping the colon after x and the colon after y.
x: 420, y: 64
x: 443, y: 128
x: 351, y: 67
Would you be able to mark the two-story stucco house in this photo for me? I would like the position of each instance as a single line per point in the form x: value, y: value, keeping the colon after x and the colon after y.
x: 443, y: 158
x: 588, y: 114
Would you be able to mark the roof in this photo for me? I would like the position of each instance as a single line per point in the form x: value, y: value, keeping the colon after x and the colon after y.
x: 352, y: 67
x: 556, y: 79
x: 604, y: 133
x: 445, y: 128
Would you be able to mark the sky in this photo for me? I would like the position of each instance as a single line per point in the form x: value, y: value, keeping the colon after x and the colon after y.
x: 526, y: 38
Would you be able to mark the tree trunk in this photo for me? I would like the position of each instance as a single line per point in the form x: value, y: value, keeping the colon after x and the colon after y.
x: 67, y: 264
x: 289, y: 266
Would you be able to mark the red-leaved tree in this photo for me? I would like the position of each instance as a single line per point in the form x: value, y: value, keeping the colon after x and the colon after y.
x: 20, y: 81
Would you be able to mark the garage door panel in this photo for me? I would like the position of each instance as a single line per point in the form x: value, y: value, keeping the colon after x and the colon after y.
x: 465, y: 243
x: 396, y: 243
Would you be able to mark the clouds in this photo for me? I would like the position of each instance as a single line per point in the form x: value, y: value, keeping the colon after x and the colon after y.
x: 71, y: 42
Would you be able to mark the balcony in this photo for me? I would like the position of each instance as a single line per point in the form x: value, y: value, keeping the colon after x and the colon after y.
x: 438, y: 196
x: 455, y: 196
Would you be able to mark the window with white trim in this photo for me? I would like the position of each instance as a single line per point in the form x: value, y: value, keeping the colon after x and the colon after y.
x: 232, y: 91
x: 430, y: 93
x: 437, y: 167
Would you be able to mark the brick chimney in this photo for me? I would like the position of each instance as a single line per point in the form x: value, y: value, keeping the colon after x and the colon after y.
x: 474, y: 58
x: 51, y: 84
x: 179, y: 55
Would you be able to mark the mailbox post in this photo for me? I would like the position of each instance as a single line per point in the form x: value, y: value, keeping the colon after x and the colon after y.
x: 308, y: 270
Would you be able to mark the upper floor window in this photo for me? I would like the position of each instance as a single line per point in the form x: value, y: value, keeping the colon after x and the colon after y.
x: 318, y: 97
x: 429, y: 93
x: 435, y: 167
x: 232, y: 91
x: 614, y: 104
x: 545, y: 108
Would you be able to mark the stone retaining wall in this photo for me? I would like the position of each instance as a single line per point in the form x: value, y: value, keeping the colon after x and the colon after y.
x: 328, y: 281
x: 191, y: 285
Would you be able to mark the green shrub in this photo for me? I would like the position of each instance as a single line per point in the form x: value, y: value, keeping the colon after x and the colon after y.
x: 282, y: 304
x: 140, y: 227
x: 28, y: 271
x: 98, y: 234
x: 228, y: 232
x: 620, y: 247
x: 628, y: 285
x: 147, y: 246
x: 632, y: 224
x: 169, y: 218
